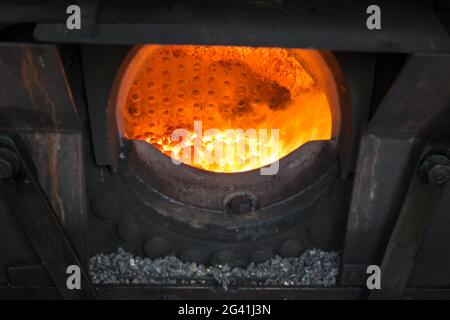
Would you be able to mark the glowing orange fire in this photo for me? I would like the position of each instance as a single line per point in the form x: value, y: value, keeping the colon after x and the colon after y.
x: 260, y: 89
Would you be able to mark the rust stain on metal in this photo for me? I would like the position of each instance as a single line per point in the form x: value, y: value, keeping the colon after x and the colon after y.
x: 30, y: 76
x: 43, y: 101
x: 36, y: 86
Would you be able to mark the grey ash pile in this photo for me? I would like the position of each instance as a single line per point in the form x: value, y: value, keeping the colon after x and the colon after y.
x: 312, y: 268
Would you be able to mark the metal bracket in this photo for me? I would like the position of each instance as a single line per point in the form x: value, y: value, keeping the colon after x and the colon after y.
x: 412, y: 223
x: 40, y: 222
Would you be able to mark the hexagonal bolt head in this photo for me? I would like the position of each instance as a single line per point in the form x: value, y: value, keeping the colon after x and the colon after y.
x: 240, y: 203
x: 436, y: 168
x: 439, y: 174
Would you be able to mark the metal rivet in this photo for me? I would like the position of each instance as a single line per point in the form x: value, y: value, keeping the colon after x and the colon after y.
x: 290, y: 248
x: 105, y: 205
x: 157, y: 247
x: 128, y: 230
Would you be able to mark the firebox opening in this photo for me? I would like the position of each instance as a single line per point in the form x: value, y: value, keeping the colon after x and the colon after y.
x: 221, y: 108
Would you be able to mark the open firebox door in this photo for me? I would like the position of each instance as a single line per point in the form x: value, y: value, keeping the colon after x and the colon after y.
x: 241, y: 108
x: 198, y: 126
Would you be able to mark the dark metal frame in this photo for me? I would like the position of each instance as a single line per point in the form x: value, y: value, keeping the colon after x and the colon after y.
x: 37, y: 105
x: 415, y: 24
x: 41, y: 224
x: 409, y: 115
x: 413, y: 117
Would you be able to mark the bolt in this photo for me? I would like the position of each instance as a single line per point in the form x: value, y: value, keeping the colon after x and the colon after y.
x: 436, y: 168
x: 240, y: 203
x: 439, y: 174
x: 6, y: 169
x: 9, y: 164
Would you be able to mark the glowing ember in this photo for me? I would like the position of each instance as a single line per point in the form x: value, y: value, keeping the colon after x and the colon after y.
x: 265, y: 90
x: 222, y: 151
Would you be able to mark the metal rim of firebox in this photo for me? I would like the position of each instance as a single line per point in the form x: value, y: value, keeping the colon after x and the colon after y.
x: 307, y: 188
x: 321, y: 65
x: 201, y: 200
